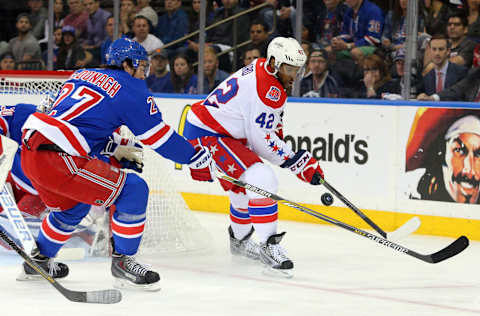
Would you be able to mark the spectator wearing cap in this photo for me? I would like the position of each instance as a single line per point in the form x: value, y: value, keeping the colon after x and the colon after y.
x: 7, y: 62
x: 159, y: 79
x: 399, y: 61
x: 70, y: 54
x: 213, y: 75
x: 318, y: 82
x: 77, y: 18
x: 147, y: 11
x: 25, y: 46
x: 97, y: 19
x: 38, y: 15
x: 141, y: 29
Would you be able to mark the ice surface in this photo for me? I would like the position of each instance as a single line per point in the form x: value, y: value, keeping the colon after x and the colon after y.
x: 336, y: 273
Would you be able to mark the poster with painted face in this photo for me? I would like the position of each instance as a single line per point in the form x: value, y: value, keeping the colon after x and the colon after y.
x: 444, y: 149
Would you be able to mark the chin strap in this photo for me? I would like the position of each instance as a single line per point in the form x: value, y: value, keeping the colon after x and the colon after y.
x: 267, y: 69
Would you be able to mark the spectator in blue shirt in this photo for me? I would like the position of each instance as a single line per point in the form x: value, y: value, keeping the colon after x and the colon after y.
x: 159, y: 79
x: 108, y: 40
x: 331, y: 22
x: 97, y: 19
x: 361, y: 31
x: 96, y: 33
x: 172, y: 25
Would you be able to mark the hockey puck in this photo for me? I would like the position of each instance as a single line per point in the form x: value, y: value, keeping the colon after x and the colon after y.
x: 327, y: 199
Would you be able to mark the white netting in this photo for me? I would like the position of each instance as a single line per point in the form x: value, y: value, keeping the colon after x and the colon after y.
x: 32, y: 83
x: 171, y: 227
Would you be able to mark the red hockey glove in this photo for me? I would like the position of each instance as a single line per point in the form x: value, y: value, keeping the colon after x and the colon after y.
x: 201, y: 165
x: 305, y: 167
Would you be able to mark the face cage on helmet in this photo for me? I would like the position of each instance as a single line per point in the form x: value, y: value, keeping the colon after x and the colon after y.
x: 136, y: 64
x: 300, y: 72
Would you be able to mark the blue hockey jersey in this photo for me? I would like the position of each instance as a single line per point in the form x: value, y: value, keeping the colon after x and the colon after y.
x: 93, y: 103
x: 364, y: 28
x: 12, y: 118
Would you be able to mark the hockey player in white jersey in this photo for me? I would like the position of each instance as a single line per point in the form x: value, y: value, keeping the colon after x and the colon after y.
x: 241, y: 122
x: 62, y: 156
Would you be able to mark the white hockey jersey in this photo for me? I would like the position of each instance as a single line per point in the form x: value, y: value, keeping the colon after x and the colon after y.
x: 247, y: 106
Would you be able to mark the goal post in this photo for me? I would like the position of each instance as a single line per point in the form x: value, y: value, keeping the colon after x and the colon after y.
x: 171, y: 228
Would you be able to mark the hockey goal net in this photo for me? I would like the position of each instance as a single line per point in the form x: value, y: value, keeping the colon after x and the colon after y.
x: 171, y: 228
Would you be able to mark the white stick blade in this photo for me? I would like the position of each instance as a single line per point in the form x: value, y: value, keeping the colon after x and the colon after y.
x: 8, y: 148
x: 406, y: 229
x: 104, y: 296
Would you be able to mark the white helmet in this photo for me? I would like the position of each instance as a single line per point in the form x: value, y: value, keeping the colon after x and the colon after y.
x: 286, y: 51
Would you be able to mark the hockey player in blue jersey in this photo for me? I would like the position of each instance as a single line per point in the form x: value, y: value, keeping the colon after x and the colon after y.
x: 60, y: 158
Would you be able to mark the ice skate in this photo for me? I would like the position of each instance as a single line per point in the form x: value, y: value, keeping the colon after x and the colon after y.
x: 274, y: 257
x: 57, y: 270
x: 129, y: 274
x: 244, y: 247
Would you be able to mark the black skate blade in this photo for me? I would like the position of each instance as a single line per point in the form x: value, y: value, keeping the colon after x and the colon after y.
x: 278, y: 273
x: 124, y: 284
x: 28, y: 277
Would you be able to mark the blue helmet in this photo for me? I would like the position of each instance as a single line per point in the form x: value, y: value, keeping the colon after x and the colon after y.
x: 125, y: 48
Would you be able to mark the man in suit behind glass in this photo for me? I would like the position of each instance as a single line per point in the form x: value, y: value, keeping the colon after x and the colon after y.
x: 444, y: 74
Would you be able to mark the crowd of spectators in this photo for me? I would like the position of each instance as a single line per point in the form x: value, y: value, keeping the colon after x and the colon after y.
x: 355, y: 48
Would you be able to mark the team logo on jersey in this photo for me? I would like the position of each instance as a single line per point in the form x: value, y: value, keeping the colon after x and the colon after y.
x: 273, y: 94
x: 247, y: 69
x: 6, y: 112
x: 374, y: 26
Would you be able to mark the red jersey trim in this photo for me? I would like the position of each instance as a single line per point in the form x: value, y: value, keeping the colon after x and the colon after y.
x: 269, y: 89
x: 201, y: 111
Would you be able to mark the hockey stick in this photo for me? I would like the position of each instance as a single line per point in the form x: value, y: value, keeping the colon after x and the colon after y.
x: 8, y: 150
x: 110, y: 296
x: 10, y: 207
x: 16, y: 220
x: 451, y: 250
x: 406, y: 229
